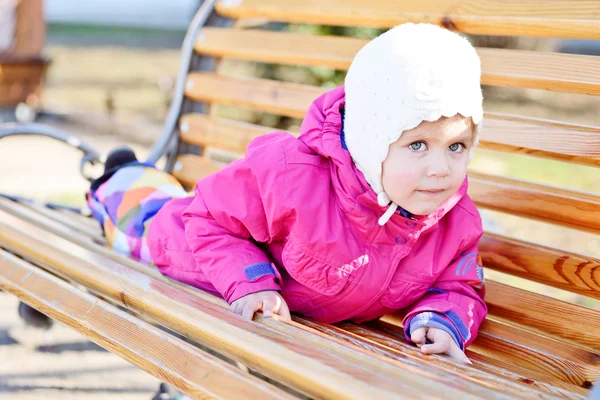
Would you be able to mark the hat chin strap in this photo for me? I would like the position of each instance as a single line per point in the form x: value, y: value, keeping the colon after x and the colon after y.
x: 388, y: 214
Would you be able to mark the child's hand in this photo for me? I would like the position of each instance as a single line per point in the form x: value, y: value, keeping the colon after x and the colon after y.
x: 268, y: 301
x: 441, y: 342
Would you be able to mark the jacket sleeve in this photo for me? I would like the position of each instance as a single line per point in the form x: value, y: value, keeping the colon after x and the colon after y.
x: 455, y: 303
x: 233, y: 211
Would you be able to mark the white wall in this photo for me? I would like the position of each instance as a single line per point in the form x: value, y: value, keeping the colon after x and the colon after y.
x: 138, y: 13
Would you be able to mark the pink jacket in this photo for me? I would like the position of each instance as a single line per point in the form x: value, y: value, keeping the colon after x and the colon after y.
x: 296, y: 216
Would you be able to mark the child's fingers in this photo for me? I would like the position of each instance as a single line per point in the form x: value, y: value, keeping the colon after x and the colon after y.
x: 457, y: 353
x: 418, y: 336
x: 284, y: 310
x: 250, y: 308
x: 268, y: 307
x: 440, y: 343
x: 235, y: 307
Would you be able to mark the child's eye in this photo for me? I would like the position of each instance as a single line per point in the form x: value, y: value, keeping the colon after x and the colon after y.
x: 457, y: 147
x: 418, y: 146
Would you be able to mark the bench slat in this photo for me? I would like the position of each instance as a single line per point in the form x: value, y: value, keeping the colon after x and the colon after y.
x: 558, y: 268
x: 501, y: 132
x: 204, y: 130
x: 283, y: 98
x: 317, y: 371
x: 574, y: 365
x: 92, y: 233
x: 563, y: 19
x: 546, y: 203
x: 542, y: 138
x: 153, y: 350
x: 553, y: 317
x: 516, y: 68
x: 88, y: 221
x: 189, y: 168
x: 380, y: 336
x: 547, y: 356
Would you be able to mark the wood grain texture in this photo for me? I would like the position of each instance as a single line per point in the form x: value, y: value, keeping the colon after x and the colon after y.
x: 542, y: 138
x: 92, y: 232
x: 88, y: 221
x: 552, y: 357
x: 312, y: 370
x: 544, y: 355
x: 206, y: 131
x: 377, y: 337
x: 189, y: 168
x: 282, y: 98
x: 500, y: 67
x: 532, y: 136
x: 562, y: 320
x: 509, y: 133
x: 160, y: 354
x: 562, y: 19
x: 560, y: 206
x: 558, y: 268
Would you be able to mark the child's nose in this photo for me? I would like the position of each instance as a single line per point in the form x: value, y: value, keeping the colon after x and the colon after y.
x: 438, y: 166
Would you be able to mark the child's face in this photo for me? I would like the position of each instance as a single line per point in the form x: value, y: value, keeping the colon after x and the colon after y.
x: 427, y: 165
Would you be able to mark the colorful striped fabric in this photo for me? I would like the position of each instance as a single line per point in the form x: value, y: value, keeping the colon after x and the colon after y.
x: 126, y: 202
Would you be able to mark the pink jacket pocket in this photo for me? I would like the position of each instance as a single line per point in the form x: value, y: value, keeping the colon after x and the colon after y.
x: 310, y: 271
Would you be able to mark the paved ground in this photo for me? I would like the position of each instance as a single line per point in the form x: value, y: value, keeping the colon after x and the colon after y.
x: 72, y: 368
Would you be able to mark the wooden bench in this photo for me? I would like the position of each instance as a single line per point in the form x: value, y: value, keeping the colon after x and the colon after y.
x: 531, y: 345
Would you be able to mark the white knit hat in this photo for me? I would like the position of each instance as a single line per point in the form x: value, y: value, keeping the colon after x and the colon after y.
x: 410, y: 74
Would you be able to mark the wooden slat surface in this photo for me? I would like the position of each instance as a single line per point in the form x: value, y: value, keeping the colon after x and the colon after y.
x: 283, y: 98
x: 528, y: 199
x: 190, y: 168
x: 559, y: 319
x: 517, y: 68
x: 556, y: 18
x: 151, y: 349
x: 55, y: 228
x: 204, y: 130
x: 92, y: 232
x: 542, y: 138
x: 81, y: 220
x: 509, y: 133
x: 381, y: 338
x: 558, y: 268
x: 547, y: 356
x: 311, y: 369
x: 556, y: 358
x: 505, y: 132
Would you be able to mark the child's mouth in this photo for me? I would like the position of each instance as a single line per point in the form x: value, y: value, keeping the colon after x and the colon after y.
x: 431, y: 191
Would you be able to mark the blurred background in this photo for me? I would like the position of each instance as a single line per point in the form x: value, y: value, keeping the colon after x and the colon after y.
x: 104, y: 70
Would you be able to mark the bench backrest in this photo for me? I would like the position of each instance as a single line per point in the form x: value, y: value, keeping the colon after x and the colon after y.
x: 215, y: 125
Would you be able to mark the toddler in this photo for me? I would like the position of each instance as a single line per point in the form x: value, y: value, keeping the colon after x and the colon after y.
x: 366, y: 213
